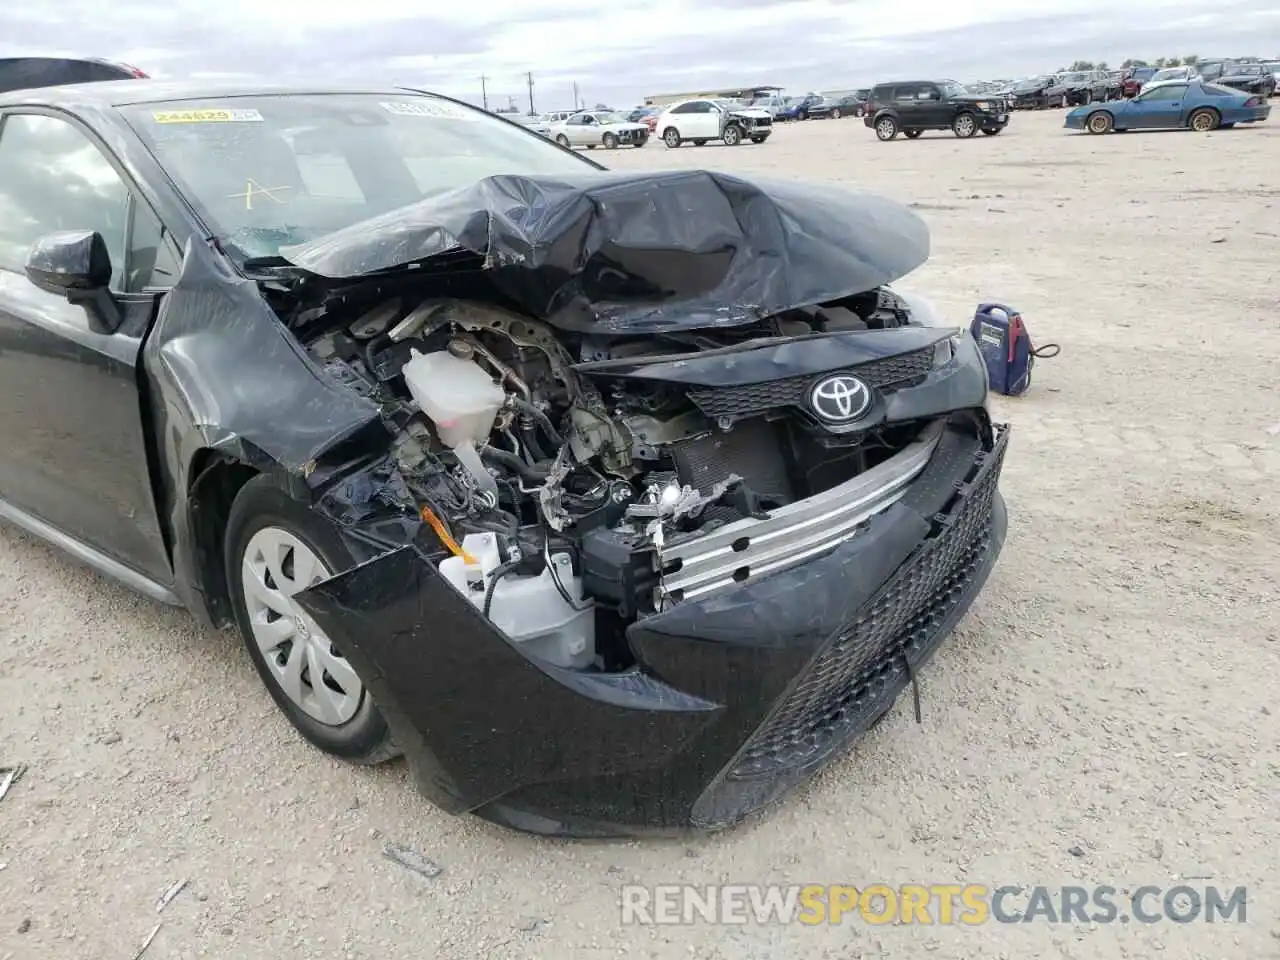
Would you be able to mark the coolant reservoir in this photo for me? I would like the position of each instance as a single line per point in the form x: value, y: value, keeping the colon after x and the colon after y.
x: 459, y: 398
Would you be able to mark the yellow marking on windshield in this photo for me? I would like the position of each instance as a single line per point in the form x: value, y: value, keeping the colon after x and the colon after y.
x: 253, y: 188
x: 207, y: 116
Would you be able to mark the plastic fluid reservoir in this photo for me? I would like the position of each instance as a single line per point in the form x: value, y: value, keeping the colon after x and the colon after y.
x: 455, y: 394
x: 529, y: 610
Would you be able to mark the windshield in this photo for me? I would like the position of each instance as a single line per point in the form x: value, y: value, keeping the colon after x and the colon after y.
x: 611, y: 118
x: 1176, y: 73
x: 1075, y: 77
x: 1031, y: 84
x: 270, y: 171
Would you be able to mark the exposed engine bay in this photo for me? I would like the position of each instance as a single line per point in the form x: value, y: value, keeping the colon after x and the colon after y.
x: 562, y: 473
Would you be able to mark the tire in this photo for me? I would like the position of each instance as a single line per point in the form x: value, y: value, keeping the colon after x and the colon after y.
x: 1099, y: 122
x: 341, y: 718
x: 836, y: 114
x: 1066, y: 101
x: 912, y: 134
x: 965, y: 125
x: 671, y: 137
x: 992, y: 131
x: 610, y: 141
x: 563, y: 141
x: 1204, y: 120
x: 1087, y: 97
x: 886, y: 128
x: 732, y: 135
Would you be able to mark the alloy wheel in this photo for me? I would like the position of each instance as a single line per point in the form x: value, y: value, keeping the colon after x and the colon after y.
x: 302, y: 660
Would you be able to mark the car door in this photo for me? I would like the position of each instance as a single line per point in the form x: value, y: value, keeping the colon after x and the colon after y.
x: 73, y: 450
x: 702, y: 123
x: 932, y: 107
x: 1156, y: 109
x: 907, y: 102
x: 575, y: 130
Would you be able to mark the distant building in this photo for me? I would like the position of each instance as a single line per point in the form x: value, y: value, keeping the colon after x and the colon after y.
x: 735, y: 93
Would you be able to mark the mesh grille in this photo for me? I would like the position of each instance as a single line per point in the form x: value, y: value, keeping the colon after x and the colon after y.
x: 844, y: 686
x: 891, y: 373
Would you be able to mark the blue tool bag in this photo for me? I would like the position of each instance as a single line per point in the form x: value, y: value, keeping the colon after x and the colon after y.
x: 1006, y: 348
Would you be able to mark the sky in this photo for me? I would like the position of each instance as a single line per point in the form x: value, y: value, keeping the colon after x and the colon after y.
x: 618, y: 51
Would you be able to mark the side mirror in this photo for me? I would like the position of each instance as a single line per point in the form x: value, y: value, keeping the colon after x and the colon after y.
x: 75, y: 264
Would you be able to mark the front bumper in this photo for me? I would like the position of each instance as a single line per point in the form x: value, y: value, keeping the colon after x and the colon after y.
x: 737, y: 696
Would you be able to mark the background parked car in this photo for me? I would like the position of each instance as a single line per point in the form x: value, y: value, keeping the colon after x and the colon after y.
x: 1173, y: 73
x: 1192, y: 104
x: 1135, y: 78
x: 599, y: 128
x: 834, y: 108
x: 701, y: 121
x: 1250, y: 78
x: 797, y: 108
x: 1031, y: 94
x: 1274, y: 67
x: 536, y: 124
x: 25, y: 73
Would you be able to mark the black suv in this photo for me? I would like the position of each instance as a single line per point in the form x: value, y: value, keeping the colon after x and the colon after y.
x: 912, y: 107
x: 26, y: 73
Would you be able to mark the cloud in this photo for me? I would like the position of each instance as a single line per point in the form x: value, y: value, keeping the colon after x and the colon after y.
x: 623, y: 50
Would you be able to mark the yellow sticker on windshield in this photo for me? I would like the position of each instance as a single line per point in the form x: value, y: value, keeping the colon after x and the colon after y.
x: 206, y: 116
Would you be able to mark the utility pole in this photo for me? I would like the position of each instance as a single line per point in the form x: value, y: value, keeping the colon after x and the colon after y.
x: 575, y: 95
x: 529, y: 77
x: 484, y: 90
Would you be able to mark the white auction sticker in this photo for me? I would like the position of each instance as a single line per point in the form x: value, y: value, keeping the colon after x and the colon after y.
x: 436, y: 109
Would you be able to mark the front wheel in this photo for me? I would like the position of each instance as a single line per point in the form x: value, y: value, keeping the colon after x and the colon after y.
x: 1100, y: 122
x: 610, y: 141
x: 563, y: 141
x: 671, y: 137
x: 277, y: 547
x: 835, y: 114
x: 732, y: 135
x: 886, y: 128
x: 964, y: 126
x: 912, y: 134
x: 1202, y: 121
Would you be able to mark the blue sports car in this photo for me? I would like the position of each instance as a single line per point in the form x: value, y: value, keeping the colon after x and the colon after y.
x: 1192, y: 104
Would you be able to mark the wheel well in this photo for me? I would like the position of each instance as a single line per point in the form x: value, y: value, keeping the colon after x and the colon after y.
x: 1214, y: 110
x: 216, y: 479
x: 1104, y: 112
x: 669, y: 128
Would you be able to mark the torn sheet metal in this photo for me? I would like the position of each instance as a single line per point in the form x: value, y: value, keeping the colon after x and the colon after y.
x: 644, y: 252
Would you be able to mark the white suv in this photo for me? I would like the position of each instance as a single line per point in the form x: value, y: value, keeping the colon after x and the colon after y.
x: 701, y: 121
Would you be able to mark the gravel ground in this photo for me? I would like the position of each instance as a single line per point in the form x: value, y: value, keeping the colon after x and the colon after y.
x: 1106, y: 714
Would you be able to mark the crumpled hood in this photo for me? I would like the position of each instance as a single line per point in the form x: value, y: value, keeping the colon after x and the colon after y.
x: 753, y: 113
x: 637, y: 252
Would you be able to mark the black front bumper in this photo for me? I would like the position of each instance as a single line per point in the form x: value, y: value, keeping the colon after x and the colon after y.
x: 737, y: 697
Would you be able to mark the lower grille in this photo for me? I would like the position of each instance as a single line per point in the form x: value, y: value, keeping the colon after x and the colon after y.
x: 844, y: 687
x: 891, y: 373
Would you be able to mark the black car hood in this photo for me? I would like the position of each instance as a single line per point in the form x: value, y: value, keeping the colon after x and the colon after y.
x: 632, y: 253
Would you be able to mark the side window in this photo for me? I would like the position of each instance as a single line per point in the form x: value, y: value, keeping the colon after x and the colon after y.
x: 906, y: 91
x: 1167, y: 93
x: 684, y: 108
x: 52, y: 178
x: 929, y: 92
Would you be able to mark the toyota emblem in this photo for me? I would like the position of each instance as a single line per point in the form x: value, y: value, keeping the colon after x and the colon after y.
x: 840, y: 399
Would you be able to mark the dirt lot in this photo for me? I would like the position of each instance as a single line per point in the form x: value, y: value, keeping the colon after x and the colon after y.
x: 1106, y: 714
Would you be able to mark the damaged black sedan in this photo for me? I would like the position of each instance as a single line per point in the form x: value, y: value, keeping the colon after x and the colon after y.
x: 615, y: 502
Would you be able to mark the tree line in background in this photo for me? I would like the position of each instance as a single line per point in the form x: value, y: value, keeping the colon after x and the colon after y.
x: 1160, y: 62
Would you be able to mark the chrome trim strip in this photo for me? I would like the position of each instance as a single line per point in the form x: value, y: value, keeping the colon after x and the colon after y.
x: 88, y: 555
x: 796, y: 532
